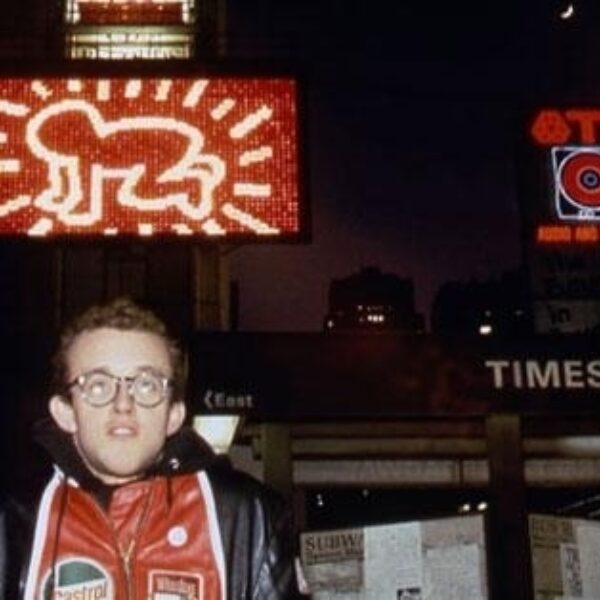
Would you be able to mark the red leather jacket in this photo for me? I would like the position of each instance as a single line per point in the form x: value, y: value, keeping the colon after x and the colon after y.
x: 193, y: 528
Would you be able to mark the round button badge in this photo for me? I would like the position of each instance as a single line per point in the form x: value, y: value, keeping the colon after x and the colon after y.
x: 177, y: 536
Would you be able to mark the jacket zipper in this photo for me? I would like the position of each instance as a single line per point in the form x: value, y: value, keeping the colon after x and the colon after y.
x: 124, y: 557
x: 126, y: 561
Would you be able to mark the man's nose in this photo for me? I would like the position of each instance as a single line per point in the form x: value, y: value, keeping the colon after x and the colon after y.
x: 123, y: 402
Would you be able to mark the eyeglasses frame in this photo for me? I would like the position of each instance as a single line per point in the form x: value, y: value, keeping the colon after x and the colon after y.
x: 167, y: 384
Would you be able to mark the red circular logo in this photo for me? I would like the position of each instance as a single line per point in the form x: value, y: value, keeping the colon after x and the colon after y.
x: 580, y: 179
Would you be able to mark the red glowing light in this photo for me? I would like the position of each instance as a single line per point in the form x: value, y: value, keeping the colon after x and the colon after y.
x: 586, y: 234
x: 177, y: 156
x: 550, y: 128
x: 567, y: 234
x: 126, y: 12
x: 554, y: 234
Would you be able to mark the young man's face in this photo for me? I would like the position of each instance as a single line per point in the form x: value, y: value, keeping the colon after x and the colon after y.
x: 120, y: 440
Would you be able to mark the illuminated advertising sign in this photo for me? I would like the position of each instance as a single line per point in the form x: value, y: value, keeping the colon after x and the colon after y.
x: 569, y: 143
x: 213, y: 157
x: 560, y: 173
x: 129, y: 29
x: 129, y: 12
x: 133, y: 44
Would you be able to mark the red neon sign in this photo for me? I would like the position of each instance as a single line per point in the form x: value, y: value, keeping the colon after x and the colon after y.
x: 567, y: 234
x: 552, y: 127
x: 569, y: 139
x: 125, y: 12
x: 178, y: 156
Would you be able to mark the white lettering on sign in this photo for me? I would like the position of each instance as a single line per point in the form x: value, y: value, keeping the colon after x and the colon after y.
x: 548, y: 374
x: 217, y: 400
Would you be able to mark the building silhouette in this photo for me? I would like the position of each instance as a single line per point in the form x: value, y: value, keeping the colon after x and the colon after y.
x: 498, y: 306
x: 372, y: 301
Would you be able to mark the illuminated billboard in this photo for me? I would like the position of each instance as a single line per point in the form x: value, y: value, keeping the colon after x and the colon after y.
x: 560, y: 200
x: 567, y: 143
x: 129, y: 12
x: 208, y: 157
x: 129, y: 29
x: 131, y: 44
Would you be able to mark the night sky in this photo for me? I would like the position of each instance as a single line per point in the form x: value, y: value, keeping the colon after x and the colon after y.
x: 412, y: 110
x: 411, y: 115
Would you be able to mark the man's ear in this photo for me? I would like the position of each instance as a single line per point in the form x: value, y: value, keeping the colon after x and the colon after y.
x: 63, y: 414
x: 176, y: 417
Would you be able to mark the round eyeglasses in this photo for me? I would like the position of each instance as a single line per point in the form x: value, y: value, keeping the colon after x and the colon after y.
x: 148, y: 388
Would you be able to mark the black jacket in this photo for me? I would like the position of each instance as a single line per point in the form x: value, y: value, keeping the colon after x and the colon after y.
x: 255, y: 523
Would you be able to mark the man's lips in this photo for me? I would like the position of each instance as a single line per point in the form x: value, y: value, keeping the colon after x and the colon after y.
x: 122, y: 429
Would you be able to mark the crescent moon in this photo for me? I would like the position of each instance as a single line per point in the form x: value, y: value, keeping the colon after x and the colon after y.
x: 568, y: 12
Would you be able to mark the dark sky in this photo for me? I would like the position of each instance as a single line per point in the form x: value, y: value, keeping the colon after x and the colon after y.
x: 411, y: 118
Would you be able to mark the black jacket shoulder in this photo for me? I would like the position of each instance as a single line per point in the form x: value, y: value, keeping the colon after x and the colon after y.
x: 16, y: 527
x: 258, y: 537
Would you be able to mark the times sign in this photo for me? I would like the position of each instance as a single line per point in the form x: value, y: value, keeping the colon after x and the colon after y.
x: 214, y: 157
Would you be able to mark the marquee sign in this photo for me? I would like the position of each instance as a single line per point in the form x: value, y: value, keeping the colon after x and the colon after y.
x: 129, y: 29
x: 137, y: 43
x: 214, y: 157
x: 570, y: 142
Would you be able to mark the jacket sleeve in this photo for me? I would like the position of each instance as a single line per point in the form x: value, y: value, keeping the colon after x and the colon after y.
x: 14, y: 536
x: 258, y: 539
x: 274, y: 553
x: 2, y: 553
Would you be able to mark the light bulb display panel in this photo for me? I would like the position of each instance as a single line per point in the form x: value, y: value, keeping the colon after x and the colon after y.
x: 568, y: 142
x: 129, y: 12
x: 129, y: 29
x: 207, y: 157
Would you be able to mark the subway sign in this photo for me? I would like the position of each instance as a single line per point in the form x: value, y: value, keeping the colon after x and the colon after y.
x: 172, y: 156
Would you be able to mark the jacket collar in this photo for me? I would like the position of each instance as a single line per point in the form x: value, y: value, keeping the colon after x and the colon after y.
x: 184, y: 452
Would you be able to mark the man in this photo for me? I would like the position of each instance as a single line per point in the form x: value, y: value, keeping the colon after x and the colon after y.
x: 139, y: 507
